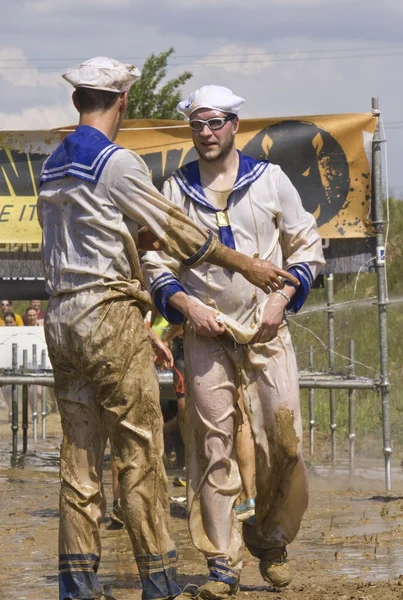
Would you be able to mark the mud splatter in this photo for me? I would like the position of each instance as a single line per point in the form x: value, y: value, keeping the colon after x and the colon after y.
x: 288, y: 439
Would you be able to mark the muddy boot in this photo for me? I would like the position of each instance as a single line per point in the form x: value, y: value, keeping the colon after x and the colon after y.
x: 274, y: 567
x: 215, y: 590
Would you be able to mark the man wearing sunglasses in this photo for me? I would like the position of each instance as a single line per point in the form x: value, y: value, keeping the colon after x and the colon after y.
x: 252, y: 206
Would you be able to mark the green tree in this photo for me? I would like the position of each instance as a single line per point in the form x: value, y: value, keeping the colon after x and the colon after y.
x: 149, y: 100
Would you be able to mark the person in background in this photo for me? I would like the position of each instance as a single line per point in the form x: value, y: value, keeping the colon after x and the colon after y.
x: 7, y: 306
x: 10, y: 319
x: 176, y: 425
x: 31, y: 318
x: 40, y: 314
x: 245, y: 452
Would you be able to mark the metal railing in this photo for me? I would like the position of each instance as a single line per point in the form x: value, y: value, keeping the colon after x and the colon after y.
x: 38, y: 376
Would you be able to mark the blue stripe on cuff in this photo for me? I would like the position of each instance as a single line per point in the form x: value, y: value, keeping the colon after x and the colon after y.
x: 304, y: 267
x: 162, y: 280
x: 220, y: 570
x: 158, y: 576
x: 302, y: 291
x: 161, y: 297
x: 200, y: 253
x: 77, y: 576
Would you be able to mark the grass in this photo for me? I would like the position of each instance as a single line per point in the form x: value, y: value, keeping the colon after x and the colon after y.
x: 359, y: 323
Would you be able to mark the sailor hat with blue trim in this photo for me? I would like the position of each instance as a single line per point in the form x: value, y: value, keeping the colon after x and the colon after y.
x: 214, y: 97
x: 103, y: 73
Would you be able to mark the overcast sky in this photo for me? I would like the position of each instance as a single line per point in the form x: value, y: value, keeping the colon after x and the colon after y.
x: 271, y: 52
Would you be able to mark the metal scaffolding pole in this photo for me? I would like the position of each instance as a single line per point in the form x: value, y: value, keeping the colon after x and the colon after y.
x: 14, y: 404
x: 24, y: 406
x: 311, y: 406
x: 44, y: 412
x: 351, y: 410
x: 307, y: 381
x: 378, y: 223
x: 35, y: 393
x: 331, y: 348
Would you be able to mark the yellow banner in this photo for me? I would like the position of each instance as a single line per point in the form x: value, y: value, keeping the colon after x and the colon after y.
x: 326, y: 157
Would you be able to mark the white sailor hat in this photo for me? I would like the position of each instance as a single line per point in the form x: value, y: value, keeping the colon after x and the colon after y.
x: 214, y: 97
x: 103, y: 73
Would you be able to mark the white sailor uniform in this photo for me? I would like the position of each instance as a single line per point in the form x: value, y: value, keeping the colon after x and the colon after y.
x: 265, y: 218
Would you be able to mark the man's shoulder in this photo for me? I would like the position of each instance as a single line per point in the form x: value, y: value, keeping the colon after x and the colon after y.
x: 124, y: 154
x: 250, y: 163
x: 262, y: 165
x: 124, y: 158
x: 252, y: 159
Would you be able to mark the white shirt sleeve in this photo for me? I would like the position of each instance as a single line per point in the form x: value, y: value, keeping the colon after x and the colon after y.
x: 131, y: 189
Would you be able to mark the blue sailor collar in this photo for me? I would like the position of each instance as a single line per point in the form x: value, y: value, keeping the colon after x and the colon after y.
x: 188, y: 179
x: 83, y: 154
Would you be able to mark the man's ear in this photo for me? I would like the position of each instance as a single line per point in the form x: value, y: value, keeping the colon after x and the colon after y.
x: 235, y: 124
x: 75, y: 100
x: 124, y: 101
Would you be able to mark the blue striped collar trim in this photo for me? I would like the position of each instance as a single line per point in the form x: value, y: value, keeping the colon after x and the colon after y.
x: 188, y: 178
x: 83, y: 154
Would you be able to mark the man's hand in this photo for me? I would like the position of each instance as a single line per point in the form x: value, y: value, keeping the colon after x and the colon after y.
x: 203, y: 321
x: 147, y: 240
x: 163, y: 355
x: 265, y: 275
x: 261, y: 273
x: 273, y: 316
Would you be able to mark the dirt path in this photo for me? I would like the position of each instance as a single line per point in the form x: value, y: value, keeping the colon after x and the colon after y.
x: 350, y: 545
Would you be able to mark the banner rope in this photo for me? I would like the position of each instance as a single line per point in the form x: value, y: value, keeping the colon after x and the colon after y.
x: 326, y: 347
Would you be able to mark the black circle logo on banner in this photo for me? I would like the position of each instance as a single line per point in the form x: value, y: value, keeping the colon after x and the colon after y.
x: 313, y: 160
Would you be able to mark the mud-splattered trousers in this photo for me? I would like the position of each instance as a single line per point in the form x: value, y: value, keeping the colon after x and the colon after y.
x: 106, y: 386
x: 267, y: 373
x: 264, y: 217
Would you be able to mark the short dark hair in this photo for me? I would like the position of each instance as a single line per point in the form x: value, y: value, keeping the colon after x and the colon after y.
x: 91, y: 100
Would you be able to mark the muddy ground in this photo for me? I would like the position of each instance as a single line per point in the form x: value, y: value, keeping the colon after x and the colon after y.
x: 350, y: 544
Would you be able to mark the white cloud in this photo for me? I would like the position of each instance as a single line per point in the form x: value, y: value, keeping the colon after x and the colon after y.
x: 42, y: 117
x: 15, y: 69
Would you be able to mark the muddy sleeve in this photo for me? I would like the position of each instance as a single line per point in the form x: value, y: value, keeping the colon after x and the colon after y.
x: 300, y: 241
x: 162, y: 273
x: 132, y: 191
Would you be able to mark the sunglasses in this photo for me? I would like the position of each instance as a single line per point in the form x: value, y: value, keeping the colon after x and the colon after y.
x: 213, y: 123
